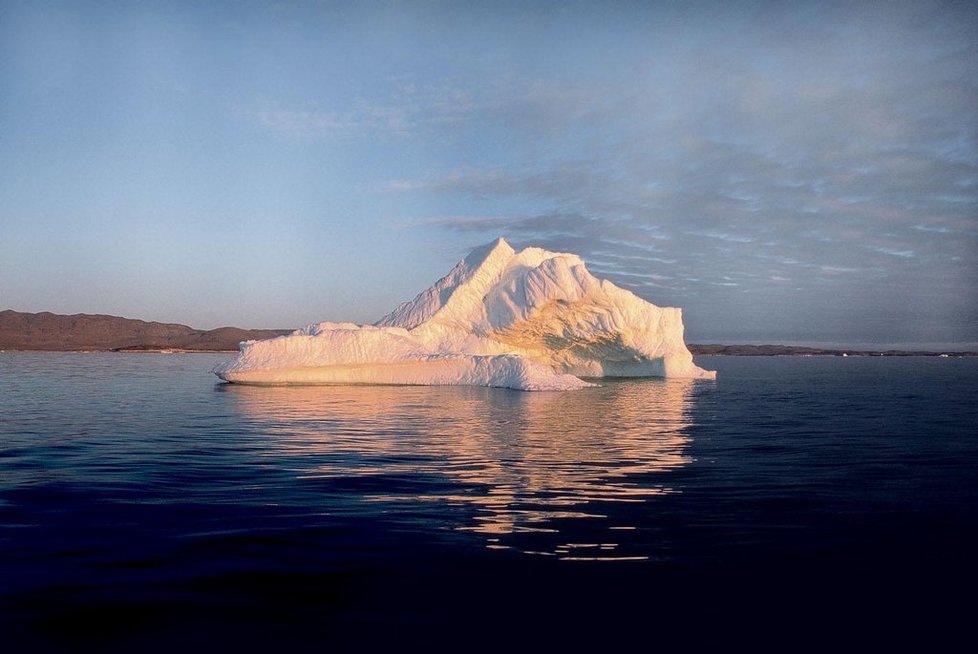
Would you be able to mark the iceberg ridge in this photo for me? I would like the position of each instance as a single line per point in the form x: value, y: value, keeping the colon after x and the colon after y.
x: 529, y: 320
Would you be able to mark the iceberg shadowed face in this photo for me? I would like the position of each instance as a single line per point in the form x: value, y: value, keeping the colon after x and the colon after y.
x: 528, y: 320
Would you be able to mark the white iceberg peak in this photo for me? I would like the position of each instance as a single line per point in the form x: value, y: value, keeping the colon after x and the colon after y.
x: 531, y: 320
x: 470, y: 276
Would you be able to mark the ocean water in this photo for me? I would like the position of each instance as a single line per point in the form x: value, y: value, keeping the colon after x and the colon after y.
x: 145, y: 505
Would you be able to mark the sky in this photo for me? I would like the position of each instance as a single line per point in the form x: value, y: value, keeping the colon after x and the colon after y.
x: 784, y: 172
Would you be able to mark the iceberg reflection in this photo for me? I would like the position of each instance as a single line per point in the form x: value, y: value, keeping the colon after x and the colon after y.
x: 504, y: 464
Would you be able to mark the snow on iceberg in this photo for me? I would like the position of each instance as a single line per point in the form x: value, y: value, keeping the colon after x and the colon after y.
x: 529, y: 320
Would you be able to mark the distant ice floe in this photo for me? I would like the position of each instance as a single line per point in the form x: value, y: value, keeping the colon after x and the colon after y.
x: 528, y: 320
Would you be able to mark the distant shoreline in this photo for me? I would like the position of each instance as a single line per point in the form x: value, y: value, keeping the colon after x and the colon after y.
x: 49, y: 332
x: 81, y: 332
x: 125, y: 350
x: 794, y: 350
x: 711, y: 350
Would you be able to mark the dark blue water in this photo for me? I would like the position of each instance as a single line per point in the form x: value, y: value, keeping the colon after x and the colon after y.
x: 144, y: 505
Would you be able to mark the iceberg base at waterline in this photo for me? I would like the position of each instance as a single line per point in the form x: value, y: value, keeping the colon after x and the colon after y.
x: 528, y: 320
x: 353, y: 354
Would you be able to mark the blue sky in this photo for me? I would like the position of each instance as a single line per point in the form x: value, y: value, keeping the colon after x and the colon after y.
x: 783, y: 172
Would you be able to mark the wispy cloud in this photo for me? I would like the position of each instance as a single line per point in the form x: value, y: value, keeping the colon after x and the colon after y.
x: 407, y: 110
x: 893, y: 253
x: 308, y: 123
x: 786, y: 151
x: 721, y: 236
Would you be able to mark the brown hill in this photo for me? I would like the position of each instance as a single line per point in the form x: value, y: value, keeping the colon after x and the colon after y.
x: 49, y: 331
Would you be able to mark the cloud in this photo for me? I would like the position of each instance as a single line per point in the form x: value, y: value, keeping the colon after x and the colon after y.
x: 307, y: 123
x: 730, y: 238
x: 404, y: 110
x: 834, y: 147
x: 894, y: 253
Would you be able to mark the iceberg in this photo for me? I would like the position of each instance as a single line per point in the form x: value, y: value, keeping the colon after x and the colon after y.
x: 528, y: 320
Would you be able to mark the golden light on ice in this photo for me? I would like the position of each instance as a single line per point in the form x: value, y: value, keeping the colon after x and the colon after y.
x: 512, y: 462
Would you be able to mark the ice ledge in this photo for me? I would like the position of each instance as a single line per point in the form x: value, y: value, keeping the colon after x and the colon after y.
x: 501, y: 371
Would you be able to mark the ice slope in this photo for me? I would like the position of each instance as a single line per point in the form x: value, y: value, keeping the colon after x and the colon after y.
x: 531, y: 320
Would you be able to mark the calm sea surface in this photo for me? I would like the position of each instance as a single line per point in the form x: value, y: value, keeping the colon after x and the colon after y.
x: 144, y: 504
